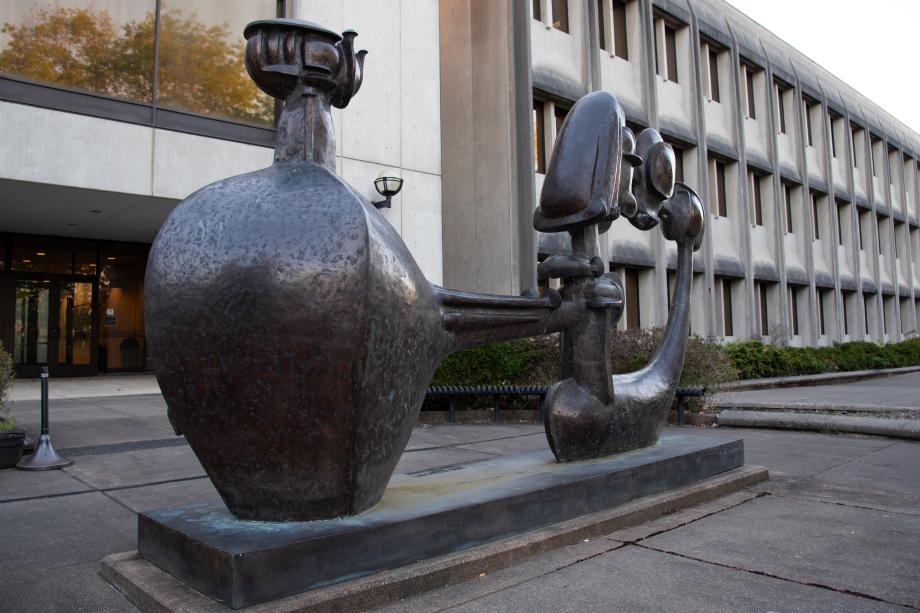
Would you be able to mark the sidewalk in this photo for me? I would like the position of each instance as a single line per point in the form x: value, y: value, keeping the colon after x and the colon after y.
x: 86, y: 387
x: 887, y: 406
x: 836, y: 528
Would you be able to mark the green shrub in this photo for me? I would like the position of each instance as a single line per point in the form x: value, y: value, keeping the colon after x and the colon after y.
x: 497, y: 364
x: 755, y: 360
x: 6, y: 383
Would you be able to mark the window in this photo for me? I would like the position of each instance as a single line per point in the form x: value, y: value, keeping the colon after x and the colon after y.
x: 756, y: 199
x: 876, y: 154
x: 821, y: 323
x: 794, y: 309
x: 864, y: 221
x: 845, y: 298
x: 750, y: 105
x: 678, y: 164
x: 868, y: 299
x: 781, y: 91
x: 843, y: 221
x: 665, y: 50
x: 809, y: 105
x: 727, y: 319
x: 816, y: 216
x: 710, y: 54
x: 631, y: 282
x: 536, y: 10
x: 561, y: 15
x: 717, y: 176
x: 763, y: 313
x: 559, y: 113
x: 613, y: 22
x: 882, y: 221
x: 620, y: 42
x: 196, y: 46
x: 787, y: 201
x: 837, y: 135
x: 856, y: 144
x: 539, y: 138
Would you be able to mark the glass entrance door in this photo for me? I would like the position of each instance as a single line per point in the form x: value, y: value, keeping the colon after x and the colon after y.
x: 53, y: 327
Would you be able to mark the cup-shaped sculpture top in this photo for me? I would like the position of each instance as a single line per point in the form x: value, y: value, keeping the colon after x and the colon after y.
x: 290, y: 56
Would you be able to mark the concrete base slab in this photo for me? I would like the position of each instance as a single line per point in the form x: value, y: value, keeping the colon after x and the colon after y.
x: 896, y: 428
x: 242, y: 563
x: 152, y: 589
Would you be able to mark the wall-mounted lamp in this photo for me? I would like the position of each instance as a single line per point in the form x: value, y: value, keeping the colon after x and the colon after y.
x: 387, y: 187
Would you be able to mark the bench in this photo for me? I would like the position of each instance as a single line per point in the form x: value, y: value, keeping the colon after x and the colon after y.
x: 496, y: 391
x: 681, y: 395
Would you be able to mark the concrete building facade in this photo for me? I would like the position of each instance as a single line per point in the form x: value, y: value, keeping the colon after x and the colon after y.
x: 113, y: 111
x: 812, y: 190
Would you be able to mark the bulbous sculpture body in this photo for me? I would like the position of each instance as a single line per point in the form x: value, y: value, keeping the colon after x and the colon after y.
x: 293, y: 337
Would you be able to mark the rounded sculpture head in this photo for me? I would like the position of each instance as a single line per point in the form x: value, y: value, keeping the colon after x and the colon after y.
x: 654, y: 179
x: 682, y: 217
x: 290, y: 56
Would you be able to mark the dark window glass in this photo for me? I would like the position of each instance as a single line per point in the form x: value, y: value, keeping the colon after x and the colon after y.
x: 846, y: 323
x: 878, y: 233
x: 866, y: 312
x: 714, y: 75
x: 808, y: 130
x: 670, y: 43
x: 781, y: 109
x: 559, y: 114
x: 853, y: 134
x: 200, y: 59
x: 833, y: 137
x: 841, y: 220
x: 81, y: 46
x: 620, y: 42
x: 539, y: 154
x: 36, y: 257
x: 561, y: 15
x: 720, y: 189
x: 727, y: 307
x: 787, y: 197
x: 632, y: 299
x: 816, y: 217
x: 863, y: 219
x: 794, y: 305
x: 601, y: 18
x: 821, y: 293
x: 749, y: 78
x: 757, y: 200
x: 764, y: 319
x: 537, y: 12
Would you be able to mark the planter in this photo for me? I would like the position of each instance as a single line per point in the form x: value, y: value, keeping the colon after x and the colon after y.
x: 10, y: 448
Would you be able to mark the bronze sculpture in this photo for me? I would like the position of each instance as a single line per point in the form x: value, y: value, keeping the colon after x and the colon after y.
x: 293, y: 335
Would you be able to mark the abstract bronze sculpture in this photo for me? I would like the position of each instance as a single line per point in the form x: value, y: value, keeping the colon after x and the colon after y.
x: 293, y: 335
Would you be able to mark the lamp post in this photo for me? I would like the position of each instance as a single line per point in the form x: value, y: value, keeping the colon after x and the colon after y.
x: 387, y: 187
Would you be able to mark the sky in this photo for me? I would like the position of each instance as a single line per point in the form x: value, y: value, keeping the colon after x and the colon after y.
x: 871, y: 46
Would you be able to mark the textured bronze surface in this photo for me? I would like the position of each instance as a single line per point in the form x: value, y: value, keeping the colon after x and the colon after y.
x: 293, y: 335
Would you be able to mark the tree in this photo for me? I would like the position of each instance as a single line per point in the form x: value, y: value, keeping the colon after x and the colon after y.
x: 200, y: 67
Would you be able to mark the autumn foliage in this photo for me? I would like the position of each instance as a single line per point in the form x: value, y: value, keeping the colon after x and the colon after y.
x: 199, y: 67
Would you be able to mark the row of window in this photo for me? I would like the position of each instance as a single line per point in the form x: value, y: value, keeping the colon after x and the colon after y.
x: 766, y: 307
x: 617, y: 21
x: 548, y: 116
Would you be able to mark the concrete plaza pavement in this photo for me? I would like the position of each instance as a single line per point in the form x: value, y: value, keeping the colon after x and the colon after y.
x: 899, y: 393
x: 836, y: 528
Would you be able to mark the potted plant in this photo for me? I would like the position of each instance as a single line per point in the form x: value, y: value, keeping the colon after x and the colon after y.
x: 10, y: 439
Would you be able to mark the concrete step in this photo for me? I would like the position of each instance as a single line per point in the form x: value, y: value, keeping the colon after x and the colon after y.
x: 851, y: 424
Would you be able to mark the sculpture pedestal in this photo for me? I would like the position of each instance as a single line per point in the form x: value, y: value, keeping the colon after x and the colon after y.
x: 241, y: 563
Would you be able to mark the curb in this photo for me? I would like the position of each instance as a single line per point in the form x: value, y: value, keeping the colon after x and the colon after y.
x: 151, y: 589
x: 895, y: 428
x: 828, y: 378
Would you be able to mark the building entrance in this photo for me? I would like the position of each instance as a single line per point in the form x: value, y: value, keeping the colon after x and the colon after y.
x: 73, y: 305
x: 54, y: 326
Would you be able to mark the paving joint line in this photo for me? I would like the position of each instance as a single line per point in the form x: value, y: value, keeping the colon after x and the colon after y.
x: 488, y: 440
x: 529, y: 579
x: 839, y: 590
x: 690, y: 521
x: 843, y: 504
x: 103, y: 490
